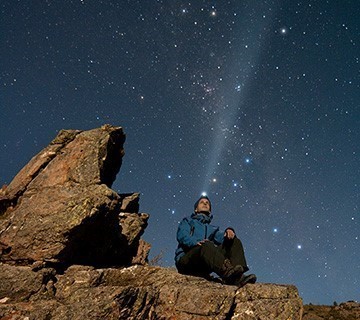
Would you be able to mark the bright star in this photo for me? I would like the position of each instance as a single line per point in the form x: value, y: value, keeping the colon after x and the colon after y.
x: 299, y: 246
x: 283, y: 30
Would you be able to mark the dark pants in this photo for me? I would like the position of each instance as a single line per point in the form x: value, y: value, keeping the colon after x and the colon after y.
x: 207, y: 258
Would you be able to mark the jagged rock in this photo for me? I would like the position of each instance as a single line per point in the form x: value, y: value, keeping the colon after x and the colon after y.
x: 130, y: 202
x: 18, y: 284
x: 10, y: 194
x: 132, y: 225
x: 142, y: 253
x: 41, y: 310
x: 144, y: 292
x: 60, y: 209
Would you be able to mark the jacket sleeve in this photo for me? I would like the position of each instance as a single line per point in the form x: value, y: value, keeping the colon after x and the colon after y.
x: 218, y: 236
x: 185, y: 236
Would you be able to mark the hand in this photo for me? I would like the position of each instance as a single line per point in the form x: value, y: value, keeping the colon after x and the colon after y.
x: 200, y: 243
x: 229, y: 234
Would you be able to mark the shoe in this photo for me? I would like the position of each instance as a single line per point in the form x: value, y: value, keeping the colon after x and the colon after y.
x: 245, y: 279
x: 231, y: 273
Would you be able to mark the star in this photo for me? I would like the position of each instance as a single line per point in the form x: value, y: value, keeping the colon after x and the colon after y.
x: 283, y: 30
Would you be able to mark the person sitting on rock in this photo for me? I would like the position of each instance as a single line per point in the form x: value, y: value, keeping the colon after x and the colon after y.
x: 203, y: 249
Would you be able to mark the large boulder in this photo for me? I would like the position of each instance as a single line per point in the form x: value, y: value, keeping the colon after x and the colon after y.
x: 59, y: 210
x: 144, y: 292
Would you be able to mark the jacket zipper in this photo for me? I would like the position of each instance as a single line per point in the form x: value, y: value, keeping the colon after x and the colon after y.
x: 192, y: 229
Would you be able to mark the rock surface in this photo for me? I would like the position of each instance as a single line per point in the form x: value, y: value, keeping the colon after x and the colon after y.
x: 59, y: 210
x: 344, y: 311
x: 68, y: 245
x: 139, y: 292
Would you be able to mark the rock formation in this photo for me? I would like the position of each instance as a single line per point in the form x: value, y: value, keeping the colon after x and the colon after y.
x: 71, y: 248
x: 344, y: 311
x: 59, y: 210
x: 137, y: 292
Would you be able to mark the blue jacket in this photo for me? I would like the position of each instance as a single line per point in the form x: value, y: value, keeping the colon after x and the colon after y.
x: 193, y: 229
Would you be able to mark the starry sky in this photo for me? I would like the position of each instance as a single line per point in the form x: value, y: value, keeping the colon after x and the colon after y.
x: 255, y: 103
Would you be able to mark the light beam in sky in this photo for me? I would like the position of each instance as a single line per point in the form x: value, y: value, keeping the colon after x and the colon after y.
x: 235, y: 88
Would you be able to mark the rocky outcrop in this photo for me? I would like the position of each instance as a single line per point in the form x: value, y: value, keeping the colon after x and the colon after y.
x: 59, y: 210
x: 71, y: 247
x: 344, y: 311
x: 140, y: 292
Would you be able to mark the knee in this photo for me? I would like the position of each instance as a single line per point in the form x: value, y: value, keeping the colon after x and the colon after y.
x: 236, y: 241
x: 208, y: 244
x: 207, y: 247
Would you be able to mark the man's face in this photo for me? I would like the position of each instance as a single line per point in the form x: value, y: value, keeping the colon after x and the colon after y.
x: 203, y: 206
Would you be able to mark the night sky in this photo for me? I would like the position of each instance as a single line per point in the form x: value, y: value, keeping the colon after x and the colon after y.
x: 255, y: 103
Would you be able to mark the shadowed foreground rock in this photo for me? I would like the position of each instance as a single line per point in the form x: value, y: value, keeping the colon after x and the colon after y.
x: 140, y: 292
x: 59, y: 210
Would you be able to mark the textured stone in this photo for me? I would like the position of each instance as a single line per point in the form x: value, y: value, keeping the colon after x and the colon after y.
x: 344, y: 311
x: 39, y: 310
x: 18, y: 284
x: 60, y: 209
x: 130, y: 202
x: 9, y: 195
x: 133, y: 225
x: 141, y: 256
x: 144, y: 292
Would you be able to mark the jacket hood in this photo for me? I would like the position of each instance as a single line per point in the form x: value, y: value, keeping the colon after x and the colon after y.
x: 204, y: 218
